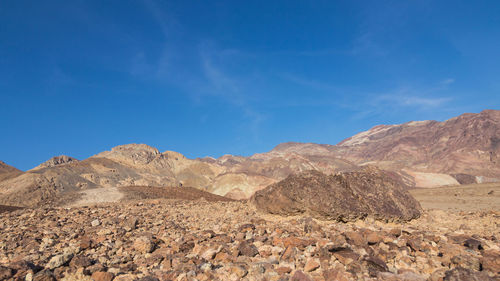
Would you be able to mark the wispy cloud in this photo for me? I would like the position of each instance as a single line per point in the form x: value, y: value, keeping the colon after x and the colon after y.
x: 412, y: 101
x: 447, y: 81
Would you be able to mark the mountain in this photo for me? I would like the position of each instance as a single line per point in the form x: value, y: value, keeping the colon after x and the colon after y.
x: 7, y: 171
x: 56, y: 161
x: 465, y: 145
x: 141, y: 165
x: 463, y: 149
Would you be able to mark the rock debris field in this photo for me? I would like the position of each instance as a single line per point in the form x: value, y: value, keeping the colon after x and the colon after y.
x: 162, y: 239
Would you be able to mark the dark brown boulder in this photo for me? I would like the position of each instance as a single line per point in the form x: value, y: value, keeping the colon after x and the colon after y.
x: 346, y: 196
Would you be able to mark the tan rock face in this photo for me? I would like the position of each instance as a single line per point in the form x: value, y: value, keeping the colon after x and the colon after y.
x: 346, y: 196
x: 56, y: 161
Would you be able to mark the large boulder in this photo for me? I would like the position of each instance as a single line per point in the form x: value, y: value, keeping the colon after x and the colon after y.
x: 346, y: 196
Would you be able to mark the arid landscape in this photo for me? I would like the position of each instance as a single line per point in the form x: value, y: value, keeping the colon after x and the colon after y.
x: 417, y: 201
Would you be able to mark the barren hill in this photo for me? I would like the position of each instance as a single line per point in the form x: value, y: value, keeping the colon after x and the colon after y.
x: 464, y: 149
x: 467, y: 144
x: 7, y: 171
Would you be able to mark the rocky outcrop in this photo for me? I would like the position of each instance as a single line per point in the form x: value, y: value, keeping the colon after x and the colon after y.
x: 346, y: 196
x: 56, y: 161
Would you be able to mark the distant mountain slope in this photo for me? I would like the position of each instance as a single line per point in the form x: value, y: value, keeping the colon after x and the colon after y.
x: 467, y: 144
x: 142, y: 165
x: 463, y: 149
x: 7, y: 171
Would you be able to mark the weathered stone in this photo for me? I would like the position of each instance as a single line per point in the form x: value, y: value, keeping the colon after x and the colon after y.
x: 332, y: 197
x: 490, y: 261
x: 462, y: 274
x: 407, y: 276
x: 102, y: 276
x: 311, y: 265
x: 80, y: 261
x: 374, y: 265
x: 248, y: 249
x: 346, y: 256
x: 44, y: 275
x: 373, y: 238
x: 300, y: 276
x: 6, y: 273
x: 59, y: 260
x: 336, y: 274
x: 473, y: 244
x: 355, y: 238
x: 467, y: 261
x: 144, y: 245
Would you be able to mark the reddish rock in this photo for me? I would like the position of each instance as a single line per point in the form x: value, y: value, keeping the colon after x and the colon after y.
x: 346, y: 256
x: 373, y: 238
x: 300, y: 276
x: 102, y: 276
x: 354, y: 237
x: 311, y: 265
x: 283, y: 269
x: 6, y: 273
x: 490, y: 261
x: 336, y: 274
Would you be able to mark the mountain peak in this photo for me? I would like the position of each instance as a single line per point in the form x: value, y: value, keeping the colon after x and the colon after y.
x: 56, y: 161
x: 131, y: 153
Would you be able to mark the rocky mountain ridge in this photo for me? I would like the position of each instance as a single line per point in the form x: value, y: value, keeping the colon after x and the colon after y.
x: 421, y: 153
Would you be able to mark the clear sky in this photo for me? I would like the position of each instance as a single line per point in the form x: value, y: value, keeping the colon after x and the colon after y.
x: 207, y: 78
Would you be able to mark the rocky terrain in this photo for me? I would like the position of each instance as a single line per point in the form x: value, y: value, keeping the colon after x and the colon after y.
x: 161, y: 239
x: 316, y: 212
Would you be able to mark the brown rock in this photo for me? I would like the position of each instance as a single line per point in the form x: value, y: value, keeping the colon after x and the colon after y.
x: 462, y: 274
x: 300, y: 276
x: 346, y: 256
x: 283, y: 269
x: 44, y: 275
x: 407, y: 276
x: 336, y: 274
x: 345, y: 196
x: 102, y: 276
x: 85, y: 242
x: 490, y: 261
x: 144, y: 245
x: 355, y: 238
x: 238, y: 270
x: 374, y: 265
x: 80, y: 261
x: 248, y: 249
x: 467, y: 261
x: 311, y: 265
x: 6, y: 273
x: 373, y: 238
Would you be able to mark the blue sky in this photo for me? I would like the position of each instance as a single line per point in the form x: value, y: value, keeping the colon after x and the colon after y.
x: 207, y: 78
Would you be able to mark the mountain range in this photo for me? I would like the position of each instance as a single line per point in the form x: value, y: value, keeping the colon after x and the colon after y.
x: 461, y: 150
